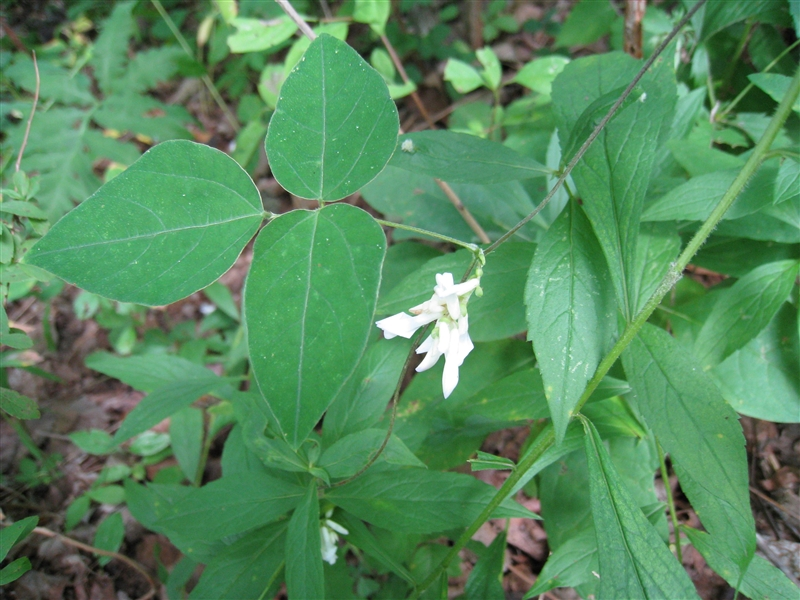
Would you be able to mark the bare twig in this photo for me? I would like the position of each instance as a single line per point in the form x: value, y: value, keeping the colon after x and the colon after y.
x: 30, y: 117
x: 465, y: 214
x: 294, y: 16
x: 404, y: 76
x: 87, y: 548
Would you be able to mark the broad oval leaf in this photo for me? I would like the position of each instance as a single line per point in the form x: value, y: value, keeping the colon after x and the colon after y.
x: 335, y: 126
x: 308, y: 304
x: 168, y: 226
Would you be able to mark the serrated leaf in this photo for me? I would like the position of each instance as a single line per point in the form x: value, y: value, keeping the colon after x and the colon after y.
x: 485, y: 579
x: 248, y: 568
x: 761, y: 581
x: 213, y: 511
x: 168, y: 226
x: 462, y: 158
x: 109, y: 53
x: 109, y: 536
x: 308, y: 304
x: 634, y: 562
x: 304, y: 576
x: 570, y: 311
x: 743, y: 310
x: 56, y: 83
x: 334, y: 127
x: 412, y: 500
x: 17, y: 405
x: 700, y: 432
x: 612, y: 178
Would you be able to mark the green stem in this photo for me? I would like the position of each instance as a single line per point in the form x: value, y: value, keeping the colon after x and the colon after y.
x: 600, y: 126
x: 543, y: 441
x: 471, y: 247
x: 672, y: 276
x: 212, y: 89
x: 670, y: 501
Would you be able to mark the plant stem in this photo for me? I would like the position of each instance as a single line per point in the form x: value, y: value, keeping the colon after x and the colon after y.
x: 212, y: 89
x: 445, y: 238
x: 600, y: 126
x: 670, y: 501
x: 463, y: 211
x: 294, y: 16
x: 30, y: 117
x: 398, y: 64
x: 543, y: 441
x: 673, y: 275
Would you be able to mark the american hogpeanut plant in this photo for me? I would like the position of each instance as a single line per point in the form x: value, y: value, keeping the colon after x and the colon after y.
x: 331, y: 459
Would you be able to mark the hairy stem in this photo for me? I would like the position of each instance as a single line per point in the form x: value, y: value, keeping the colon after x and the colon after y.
x: 670, y: 501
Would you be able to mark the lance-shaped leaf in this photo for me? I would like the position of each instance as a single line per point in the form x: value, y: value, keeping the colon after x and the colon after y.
x: 570, y: 311
x: 304, y: 576
x: 701, y: 433
x: 613, y: 176
x: 634, y: 561
x: 308, y: 305
x: 744, y: 310
x: 334, y: 127
x: 168, y: 226
x: 463, y: 158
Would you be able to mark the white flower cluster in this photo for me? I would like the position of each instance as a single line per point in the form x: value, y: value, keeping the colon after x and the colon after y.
x: 328, y: 531
x: 448, y: 307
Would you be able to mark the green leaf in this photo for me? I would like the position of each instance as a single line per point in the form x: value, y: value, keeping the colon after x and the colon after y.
x: 249, y: 568
x: 16, y: 532
x: 165, y: 402
x: 612, y: 178
x: 374, y: 13
x: 744, y: 310
x: 539, y: 74
x: 76, y: 511
x: 412, y: 500
x: 462, y: 158
x: 486, y: 578
x: 761, y: 379
x: 169, y: 225
x: 587, y: 22
x: 15, y: 570
x: 110, y: 51
x: 146, y: 372
x: 489, y: 462
x: 144, y: 115
x: 109, y: 536
x: 762, y: 580
x: 231, y: 505
x: 492, y: 72
x: 568, y: 565
x: 701, y: 433
x: 108, y: 494
x: 361, y: 537
x: 17, y: 405
x: 93, y: 441
x: 775, y: 85
x: 465, y: 78
x: 570, y: 311
x: 334, y: 127
x: 350, y: 453
x: 256, y: 35
x: 304, y: 576
x: 186, y: 438
x: 308, y: 303
x: 737, y: 256
x: 634, y: 562
x: 658, y: 246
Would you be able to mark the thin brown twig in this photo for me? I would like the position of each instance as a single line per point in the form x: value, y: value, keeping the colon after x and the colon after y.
x: 398, y: 64
x: 777, y: 505
x: 294, y: 16
x: 30, y: 117
x: 463, y: 211
x: 87, y: 548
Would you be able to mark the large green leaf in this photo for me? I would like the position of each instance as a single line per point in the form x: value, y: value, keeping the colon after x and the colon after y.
x: 658, y: 245
x: 413, y: 500
x: 761, y: 581
x: 744, y: 310
x: 570, y: 311
x: 761, y: 379
x: 168, y: 226
x: 335, y: 126
x: 612, y: 178
x: 462, y: 158
x: 485, y: 579
x: 308, y: 304
x: 231, y: 505
x: 248, y: 568
x: 634, y: 561
x: 352, y: 452
x: 701, y: 433
x: 304, y: 576
x: 146, y: 372
x: 568, y: 565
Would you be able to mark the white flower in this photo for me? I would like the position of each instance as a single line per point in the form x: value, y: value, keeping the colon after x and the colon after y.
x: 327, y: 532
x: 448, y: 307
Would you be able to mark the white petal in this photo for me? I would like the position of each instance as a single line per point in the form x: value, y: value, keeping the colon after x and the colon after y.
x: 426, y: 345
x: 403, y: 324
x: 434, y: 352
x: 443, y: 329
x: 466, y: 287
x: 465, y: 346
x: 336, y: 527
x: 449, y: 377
